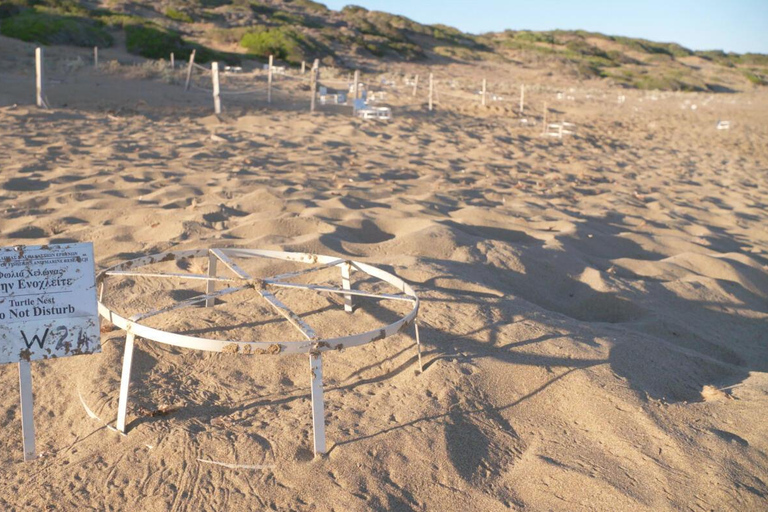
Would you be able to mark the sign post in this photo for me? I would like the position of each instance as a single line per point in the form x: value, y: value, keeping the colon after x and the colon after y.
x: 47, y: 310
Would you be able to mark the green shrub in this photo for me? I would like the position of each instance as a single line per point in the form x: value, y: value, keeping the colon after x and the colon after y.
x: 152, y: 42
x: 311, y: 6
x: 584, y: 48
x: 46, y: 28
x: 353, y: 10
x: 281, y: 42
x: 754, y: 78
x: 61, y: 7
x: 119, y: 20
x: 260, y: 8
x: 753, y: 59
x: 178, y: 15
x: 8, y: 9
x: 533, y: 37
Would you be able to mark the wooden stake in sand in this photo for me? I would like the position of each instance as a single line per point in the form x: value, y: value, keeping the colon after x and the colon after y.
x: 39, y: 77
x: 189, y: 69
x: 313, y: 84
x: 303, y: 67
x: 431, y: 91
x: 318, y: 405
x: 27, y: 421
x: 346, y: 269
x: 210, y: 287
x: 269, y: 80
x: 96, y: 57
x: 216, y: 91
x: 173, y: 61
x: 522, y: 99
x: 356, y: 85
x: 484, y: 91
x: 415, y: 85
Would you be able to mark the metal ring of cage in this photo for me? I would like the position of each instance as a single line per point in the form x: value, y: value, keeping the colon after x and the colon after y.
x: 313, y: 345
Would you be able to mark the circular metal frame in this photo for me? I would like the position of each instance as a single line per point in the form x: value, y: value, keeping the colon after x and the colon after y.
x: 264, y: 287
x: 313, y: 345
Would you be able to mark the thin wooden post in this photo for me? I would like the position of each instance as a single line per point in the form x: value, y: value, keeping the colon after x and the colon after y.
x: 216, y: 91
x: 39, y: 76
x: 173, y: 61
x: 313, y: 84
x: 96, y: 57
x: 27, y: 419
x: 303, y: 67
x: 357, y: 84
x: 522, y: 99
x: 189, y: 69
x: 269, y: 80
x: 415, y: 85
x: 484, y: 90
x: 431, y: 91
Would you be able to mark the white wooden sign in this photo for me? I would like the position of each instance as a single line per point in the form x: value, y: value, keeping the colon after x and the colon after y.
x: 47, y: 302
x: 47, y: 309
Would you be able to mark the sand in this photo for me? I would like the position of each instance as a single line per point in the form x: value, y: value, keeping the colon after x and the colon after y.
x: 594, y: 315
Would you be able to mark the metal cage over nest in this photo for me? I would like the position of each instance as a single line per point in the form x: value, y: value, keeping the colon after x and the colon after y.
x: 241, y: 280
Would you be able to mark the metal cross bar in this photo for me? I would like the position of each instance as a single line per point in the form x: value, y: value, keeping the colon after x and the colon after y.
x: 289, y: 315
x: 126, y: 273
x: 289, y: 275
x: 359, y: 293
x: 188, y: 302
x: 230, y: 264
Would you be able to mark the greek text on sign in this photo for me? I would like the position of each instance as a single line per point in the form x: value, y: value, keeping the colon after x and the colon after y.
x: 47, y: 302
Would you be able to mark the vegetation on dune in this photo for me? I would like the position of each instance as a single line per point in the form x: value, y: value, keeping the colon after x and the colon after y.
x: 284, y: 43
x: 296, y: 30
x: 177, y: 15
x: 281, y: 43
x: 35, y: 26
x: 755, y: 78
x: 157, y: 43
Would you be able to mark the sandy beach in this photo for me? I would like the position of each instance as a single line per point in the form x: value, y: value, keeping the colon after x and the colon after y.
x: 594, y: 308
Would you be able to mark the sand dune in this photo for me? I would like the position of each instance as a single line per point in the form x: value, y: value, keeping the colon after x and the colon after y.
x: 594, y: 310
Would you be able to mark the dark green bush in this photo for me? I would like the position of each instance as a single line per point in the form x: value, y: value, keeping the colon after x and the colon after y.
x: 8, y: 9
x: 46, y: 28
x: 155, y: 42
x: 152, y: 42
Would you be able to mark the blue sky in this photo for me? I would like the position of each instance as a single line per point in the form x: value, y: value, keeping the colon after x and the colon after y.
x: 730, y: 25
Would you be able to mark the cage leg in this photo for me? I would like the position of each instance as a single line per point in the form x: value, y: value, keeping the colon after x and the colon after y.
x: 125, y: 381
x: 210, y: 287
x: 318, y: 408
x: 418, y: 346
x: 346, y: 269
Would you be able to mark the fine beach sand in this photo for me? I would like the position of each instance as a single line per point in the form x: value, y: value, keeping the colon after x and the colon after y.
x: 594, y: 310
